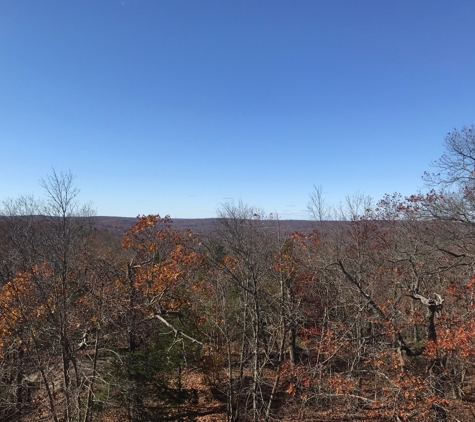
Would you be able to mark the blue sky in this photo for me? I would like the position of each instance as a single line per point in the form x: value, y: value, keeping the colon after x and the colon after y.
x: 175, y: 107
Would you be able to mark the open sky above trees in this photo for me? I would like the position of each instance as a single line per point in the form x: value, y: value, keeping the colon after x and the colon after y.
x: 174, y: 107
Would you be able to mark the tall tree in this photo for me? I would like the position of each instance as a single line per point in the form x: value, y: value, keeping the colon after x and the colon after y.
x: 48, y: 238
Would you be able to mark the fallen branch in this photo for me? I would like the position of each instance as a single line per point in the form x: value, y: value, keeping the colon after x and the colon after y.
x: 176, y: 332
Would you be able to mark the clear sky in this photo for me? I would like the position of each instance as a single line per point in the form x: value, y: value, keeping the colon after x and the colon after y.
x: 176, y: 106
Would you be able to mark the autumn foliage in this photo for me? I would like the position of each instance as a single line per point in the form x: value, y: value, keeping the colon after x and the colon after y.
x: 367, y: 317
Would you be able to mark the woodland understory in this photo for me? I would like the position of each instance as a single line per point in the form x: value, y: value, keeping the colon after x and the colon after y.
x: 370, y: 317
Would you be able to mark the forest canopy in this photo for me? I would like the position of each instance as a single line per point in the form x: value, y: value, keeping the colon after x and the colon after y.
x: 368, y: 316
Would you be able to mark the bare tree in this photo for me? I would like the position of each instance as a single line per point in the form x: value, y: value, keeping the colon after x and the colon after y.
x: 49, y: 237
x: 248, y: 247
x: 317, y: 206
x: 456, y: 166
x: 452, y: 196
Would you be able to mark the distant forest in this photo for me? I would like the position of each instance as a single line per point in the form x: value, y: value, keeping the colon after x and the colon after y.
x: 365, y: 313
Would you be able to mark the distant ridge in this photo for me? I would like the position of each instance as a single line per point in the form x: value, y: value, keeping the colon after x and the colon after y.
x: 119, y: 225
